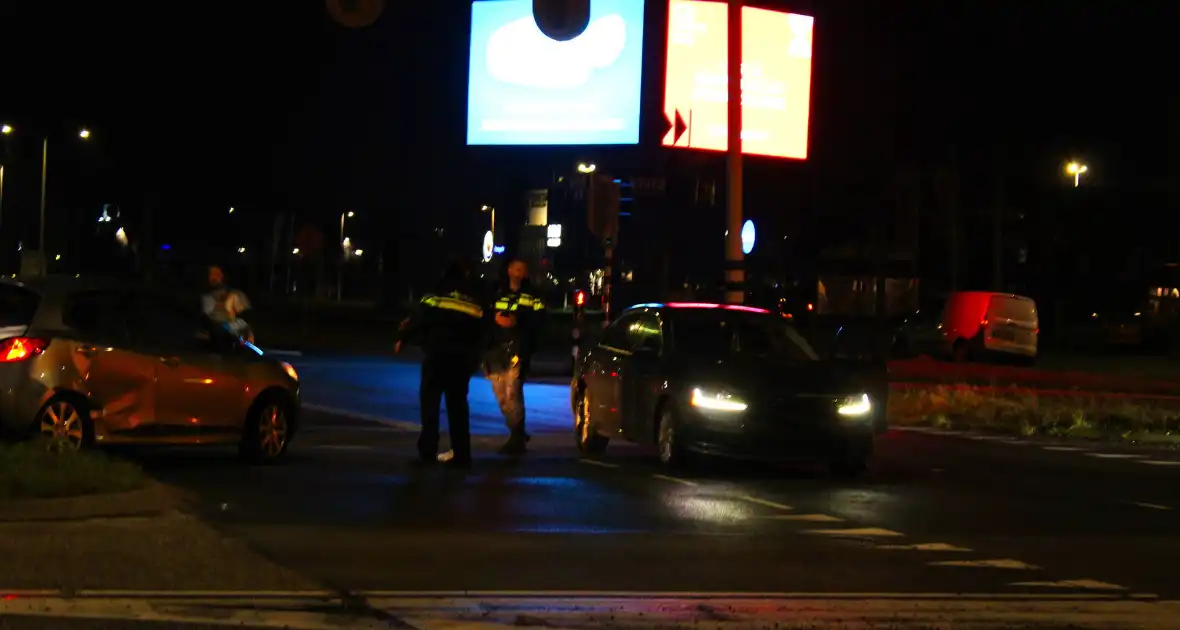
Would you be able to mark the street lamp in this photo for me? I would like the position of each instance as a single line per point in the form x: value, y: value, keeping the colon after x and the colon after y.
x: 358, y: 252
x: 343, y: 256
x: 492, y: 211
x: 586, y: 169
x: 5, y: 129
x: 1076, y: 169
x: 231, y: 209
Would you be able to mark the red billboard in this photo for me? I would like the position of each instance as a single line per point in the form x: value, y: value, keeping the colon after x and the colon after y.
x: 776, y: 79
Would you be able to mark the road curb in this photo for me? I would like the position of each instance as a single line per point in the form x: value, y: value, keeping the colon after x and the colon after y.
x: 154, y: 500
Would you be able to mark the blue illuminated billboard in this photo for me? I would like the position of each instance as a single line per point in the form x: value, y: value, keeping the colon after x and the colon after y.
x: 527, y: 89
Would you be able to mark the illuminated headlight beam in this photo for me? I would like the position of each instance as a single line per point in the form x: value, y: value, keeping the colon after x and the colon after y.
x: 716, y: 401
x: 855, y: 406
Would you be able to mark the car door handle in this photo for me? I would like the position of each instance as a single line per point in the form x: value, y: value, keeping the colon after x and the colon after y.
x: 87, y: 351
x: 170, y: 361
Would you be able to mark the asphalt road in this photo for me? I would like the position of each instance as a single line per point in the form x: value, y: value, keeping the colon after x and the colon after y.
x: 937, y: 514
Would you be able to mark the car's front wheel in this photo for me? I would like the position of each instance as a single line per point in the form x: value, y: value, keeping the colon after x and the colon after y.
x: 268, y: 430
x: 672, y: 452
x: 590, y: 441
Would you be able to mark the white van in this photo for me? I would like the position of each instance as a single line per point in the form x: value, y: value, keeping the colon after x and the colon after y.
x: 977, y: 323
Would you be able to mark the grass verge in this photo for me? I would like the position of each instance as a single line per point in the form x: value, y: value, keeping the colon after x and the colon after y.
x: 1022, y: 412
x: 31, y: 470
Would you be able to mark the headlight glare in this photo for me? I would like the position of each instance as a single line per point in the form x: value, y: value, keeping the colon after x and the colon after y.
x: 290, y: 370
x: 855, y: 406
x: 716, y: 401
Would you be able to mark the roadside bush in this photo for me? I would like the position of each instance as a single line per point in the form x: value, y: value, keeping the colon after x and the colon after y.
x: 31, y: 470
x: 1015, y: 411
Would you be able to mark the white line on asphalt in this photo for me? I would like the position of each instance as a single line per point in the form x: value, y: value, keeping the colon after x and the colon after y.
x: 1000, y: 563
x: 1063, y: 449
x: 863, y: 532
x: 676, y: 480
x: 595, y: 462
x: 400, y: 425
x: 1013, y: 442
x: 1150, y: 506
x: 987, y: 438
x: 1159, y: 462
x: 809, y: 518
x: 1083, y: 584
x: 1114, y: 455
x: 770, y: 504
x: 925, y: 547
x: 132, y: 594
x: 284, y: 353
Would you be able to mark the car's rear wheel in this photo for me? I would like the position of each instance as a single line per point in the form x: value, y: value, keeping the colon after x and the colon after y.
x: 268, y: 430
x: 64, y: 424
x: 590, y: 441
x: 851, y: 458
x: 668, y: 440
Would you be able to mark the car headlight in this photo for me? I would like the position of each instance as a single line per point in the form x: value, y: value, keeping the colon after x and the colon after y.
x: 855, y: 406
x: 290, y: 370
x: 716, y: 400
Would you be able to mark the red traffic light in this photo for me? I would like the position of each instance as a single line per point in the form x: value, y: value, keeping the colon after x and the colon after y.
x: 579, y: 298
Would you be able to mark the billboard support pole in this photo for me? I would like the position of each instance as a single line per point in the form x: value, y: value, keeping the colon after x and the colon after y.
x: 734, y: 273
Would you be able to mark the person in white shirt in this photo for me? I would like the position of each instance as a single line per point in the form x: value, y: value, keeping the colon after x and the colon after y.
x: 225, y: 305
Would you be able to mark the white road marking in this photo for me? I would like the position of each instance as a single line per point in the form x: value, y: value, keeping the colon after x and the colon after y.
x: 1063, y: 449
x: 595, y: 462
x: 810, y: 518
x: 1013, y: 442
x: 925, y: 547
x: 1082, y: 584
x: 769, y: 504
x: 863, y: 532
x: 284, y: 353
x: 1160, y: 462
x: 1114, y: 455
x: 1003, y: 563
x: 987, y: 438
x: 675, y: 480
x: 399, y: 425
x: 1150, y: 506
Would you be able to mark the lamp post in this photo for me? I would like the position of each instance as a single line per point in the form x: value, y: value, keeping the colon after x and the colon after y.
x: 343, y: 256
x: 491, y: 210
x: 6, y: 130
x: 83, y: 134
x: 1076, y: 169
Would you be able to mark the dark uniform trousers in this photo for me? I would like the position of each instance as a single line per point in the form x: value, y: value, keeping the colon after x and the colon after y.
x: 449, y: 377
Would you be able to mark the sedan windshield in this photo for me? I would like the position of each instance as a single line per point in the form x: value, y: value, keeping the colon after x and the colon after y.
x: 721, y: 333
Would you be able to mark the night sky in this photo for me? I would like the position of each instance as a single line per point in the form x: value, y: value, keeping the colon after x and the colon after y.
x: 203, y: 105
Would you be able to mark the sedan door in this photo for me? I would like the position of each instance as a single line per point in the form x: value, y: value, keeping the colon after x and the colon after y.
x: 606, y: 392
x: 119, y: 380
x: 641, y: 377
x: 201, y: 391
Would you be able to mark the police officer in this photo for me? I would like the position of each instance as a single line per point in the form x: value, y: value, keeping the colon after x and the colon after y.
x: 512, y: 342
x: 450, y: 325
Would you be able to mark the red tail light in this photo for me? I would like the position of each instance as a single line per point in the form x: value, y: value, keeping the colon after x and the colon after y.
x: 16, y: 349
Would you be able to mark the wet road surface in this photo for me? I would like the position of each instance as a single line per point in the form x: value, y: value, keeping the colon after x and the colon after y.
x: 937, y: 514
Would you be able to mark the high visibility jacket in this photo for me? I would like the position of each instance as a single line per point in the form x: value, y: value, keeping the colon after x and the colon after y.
x: 508, y: 345
x: 448, y: 325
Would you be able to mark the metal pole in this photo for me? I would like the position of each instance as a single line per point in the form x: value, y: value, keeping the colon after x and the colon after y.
x: 1, y: 197
x: 343, y: 258
x: 44, y: 168
x: 734, y: 274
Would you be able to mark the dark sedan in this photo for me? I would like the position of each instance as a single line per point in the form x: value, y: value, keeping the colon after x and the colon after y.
x: 725, y: 380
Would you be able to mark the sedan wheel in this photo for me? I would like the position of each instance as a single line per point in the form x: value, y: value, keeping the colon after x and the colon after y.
x: 272, y: 431
x: 590, y: 442
x: 668, y: 440
x: 63, y: 425
x: 267, y: 433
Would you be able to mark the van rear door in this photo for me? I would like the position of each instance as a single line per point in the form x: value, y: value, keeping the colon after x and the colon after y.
x: 1012, y: 324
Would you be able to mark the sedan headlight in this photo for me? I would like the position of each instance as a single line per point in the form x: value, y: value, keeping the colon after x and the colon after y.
x: 290, y: 370
x: 716, y: 400
x: 855, y: 406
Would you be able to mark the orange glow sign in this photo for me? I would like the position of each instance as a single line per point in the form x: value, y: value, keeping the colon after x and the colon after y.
x: 776, y: 79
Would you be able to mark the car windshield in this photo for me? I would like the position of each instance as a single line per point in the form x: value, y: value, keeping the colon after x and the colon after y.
x: 720, y: 333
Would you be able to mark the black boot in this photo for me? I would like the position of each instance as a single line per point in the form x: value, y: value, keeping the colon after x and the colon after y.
x: 516, y: 444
